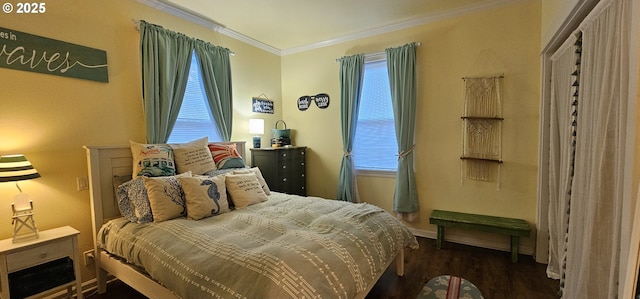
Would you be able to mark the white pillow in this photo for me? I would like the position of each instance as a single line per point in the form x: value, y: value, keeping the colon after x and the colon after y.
x: 256, y: 170
x: 244, y: 189
x: 205, y: 196
x: 193, y: 156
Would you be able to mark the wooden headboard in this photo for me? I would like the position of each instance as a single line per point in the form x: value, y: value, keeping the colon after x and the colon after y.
x: 105, y: 162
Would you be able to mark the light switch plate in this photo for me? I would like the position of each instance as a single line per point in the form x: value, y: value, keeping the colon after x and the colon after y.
x: 82, y: 182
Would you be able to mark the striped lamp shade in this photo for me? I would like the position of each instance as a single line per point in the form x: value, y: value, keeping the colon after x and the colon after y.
x: 16, y: 168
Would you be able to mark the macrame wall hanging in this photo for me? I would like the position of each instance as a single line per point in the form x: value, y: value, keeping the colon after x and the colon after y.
x: 481, y: 158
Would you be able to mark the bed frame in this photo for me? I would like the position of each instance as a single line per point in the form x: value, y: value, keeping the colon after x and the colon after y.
x: 105, y: 162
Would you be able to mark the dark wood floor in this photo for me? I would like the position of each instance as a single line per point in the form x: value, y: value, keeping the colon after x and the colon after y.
x: 490, y: 270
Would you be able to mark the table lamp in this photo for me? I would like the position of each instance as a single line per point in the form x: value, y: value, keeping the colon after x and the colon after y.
x: 256, y: 127
x: 15, y: 168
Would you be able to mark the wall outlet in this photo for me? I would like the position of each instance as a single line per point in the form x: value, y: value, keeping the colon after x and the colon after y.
x: 89, y: 257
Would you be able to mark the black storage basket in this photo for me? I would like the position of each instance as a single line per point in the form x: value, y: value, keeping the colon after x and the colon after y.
x: 37, y: 279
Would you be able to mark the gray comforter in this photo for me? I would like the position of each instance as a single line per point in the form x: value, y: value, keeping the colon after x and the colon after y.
x: 286, y: 247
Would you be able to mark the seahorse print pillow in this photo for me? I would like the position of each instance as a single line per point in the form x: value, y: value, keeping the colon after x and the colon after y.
x: 205, y: 196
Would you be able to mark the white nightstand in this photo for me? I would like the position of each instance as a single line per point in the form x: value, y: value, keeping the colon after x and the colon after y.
x: 52, y: 245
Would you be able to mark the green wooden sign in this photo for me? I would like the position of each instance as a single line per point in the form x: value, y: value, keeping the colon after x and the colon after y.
x: 33, y: 53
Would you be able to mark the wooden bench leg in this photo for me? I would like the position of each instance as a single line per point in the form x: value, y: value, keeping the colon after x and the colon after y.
x: 515, y: 241
x: 440, y: 237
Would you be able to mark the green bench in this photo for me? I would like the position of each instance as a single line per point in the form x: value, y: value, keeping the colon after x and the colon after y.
x: 516, y: 228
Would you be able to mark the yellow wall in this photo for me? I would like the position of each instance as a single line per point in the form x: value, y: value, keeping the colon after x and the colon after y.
x: 503, y: 40
x: 49, y: 118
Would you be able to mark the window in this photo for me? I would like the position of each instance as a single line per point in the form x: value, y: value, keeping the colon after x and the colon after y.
x: 375, y: 147
x: 194, y: 119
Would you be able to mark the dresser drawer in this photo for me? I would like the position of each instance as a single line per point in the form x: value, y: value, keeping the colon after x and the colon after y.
x: 40, y: 254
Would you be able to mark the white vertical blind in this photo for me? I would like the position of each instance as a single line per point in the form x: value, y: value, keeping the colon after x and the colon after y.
x: 375, y: 146
x: 195, y: 119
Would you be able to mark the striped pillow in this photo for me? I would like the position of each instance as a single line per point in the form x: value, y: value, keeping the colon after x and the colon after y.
x: 226, y: 155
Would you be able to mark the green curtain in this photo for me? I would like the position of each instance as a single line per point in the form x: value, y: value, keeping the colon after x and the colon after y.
x: 351, y: 80
x: 401, y: 64
x: 165, y: 56
x: 216, y: 79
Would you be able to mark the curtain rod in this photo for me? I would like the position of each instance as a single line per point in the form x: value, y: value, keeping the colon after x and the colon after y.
x: 487, y: 77
x: 137, y: 26
x: 370, y: 55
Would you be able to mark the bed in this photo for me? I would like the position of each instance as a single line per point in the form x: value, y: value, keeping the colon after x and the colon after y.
x: 253, y: 252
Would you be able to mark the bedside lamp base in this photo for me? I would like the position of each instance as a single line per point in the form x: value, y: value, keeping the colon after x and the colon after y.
x: 256, y: 142
x: 24, y: 226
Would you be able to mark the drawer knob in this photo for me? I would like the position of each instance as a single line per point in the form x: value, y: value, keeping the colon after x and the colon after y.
x: 284, y: 180
x: 284, y: 166
x: 303, y: 175
x: 284, y: 155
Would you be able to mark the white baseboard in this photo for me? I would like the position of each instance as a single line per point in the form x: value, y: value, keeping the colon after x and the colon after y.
x: 466, y: 240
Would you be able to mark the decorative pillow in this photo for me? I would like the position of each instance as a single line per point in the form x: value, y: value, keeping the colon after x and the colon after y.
x: 256, y: 170
x: 219, y: 172
x: 193, y: 156
x: 124, y: 203
x: 137, y: 194
x: 165, y: 197
x: 152, y: 160
x: 205, y: 196
x: 244, y: 190
x: 233, y: 163
x: 226, y: 155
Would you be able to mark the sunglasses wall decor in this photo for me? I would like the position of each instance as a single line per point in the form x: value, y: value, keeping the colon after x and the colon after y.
x: 321, y: 99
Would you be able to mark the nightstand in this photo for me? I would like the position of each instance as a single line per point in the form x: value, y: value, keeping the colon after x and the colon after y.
x: 48, y: 255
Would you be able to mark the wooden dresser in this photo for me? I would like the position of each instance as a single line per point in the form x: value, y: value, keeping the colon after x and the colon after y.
x: 283, y: 168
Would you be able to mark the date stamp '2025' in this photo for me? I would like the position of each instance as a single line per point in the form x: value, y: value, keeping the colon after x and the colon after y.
x: 24, y: 7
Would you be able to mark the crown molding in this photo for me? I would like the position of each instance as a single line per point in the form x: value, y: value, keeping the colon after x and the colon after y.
x: 400, y: 26
x: 206, y: 22
x: 243, y: 38
x: 199, y: 19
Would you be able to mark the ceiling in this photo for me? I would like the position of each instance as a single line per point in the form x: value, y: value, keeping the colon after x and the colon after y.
x: 289, y: 26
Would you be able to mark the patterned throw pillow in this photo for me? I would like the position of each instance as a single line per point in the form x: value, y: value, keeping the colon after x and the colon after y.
x: 152, y: 160
x: 165, y: 197
x: 226, y: 155
x: 245, y: 190
x: 134, y: 192
x: 193, y: 156
x: 137, y: 193
x: 205, y: 196
x: 256, y: 170
x: 125, y: 205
